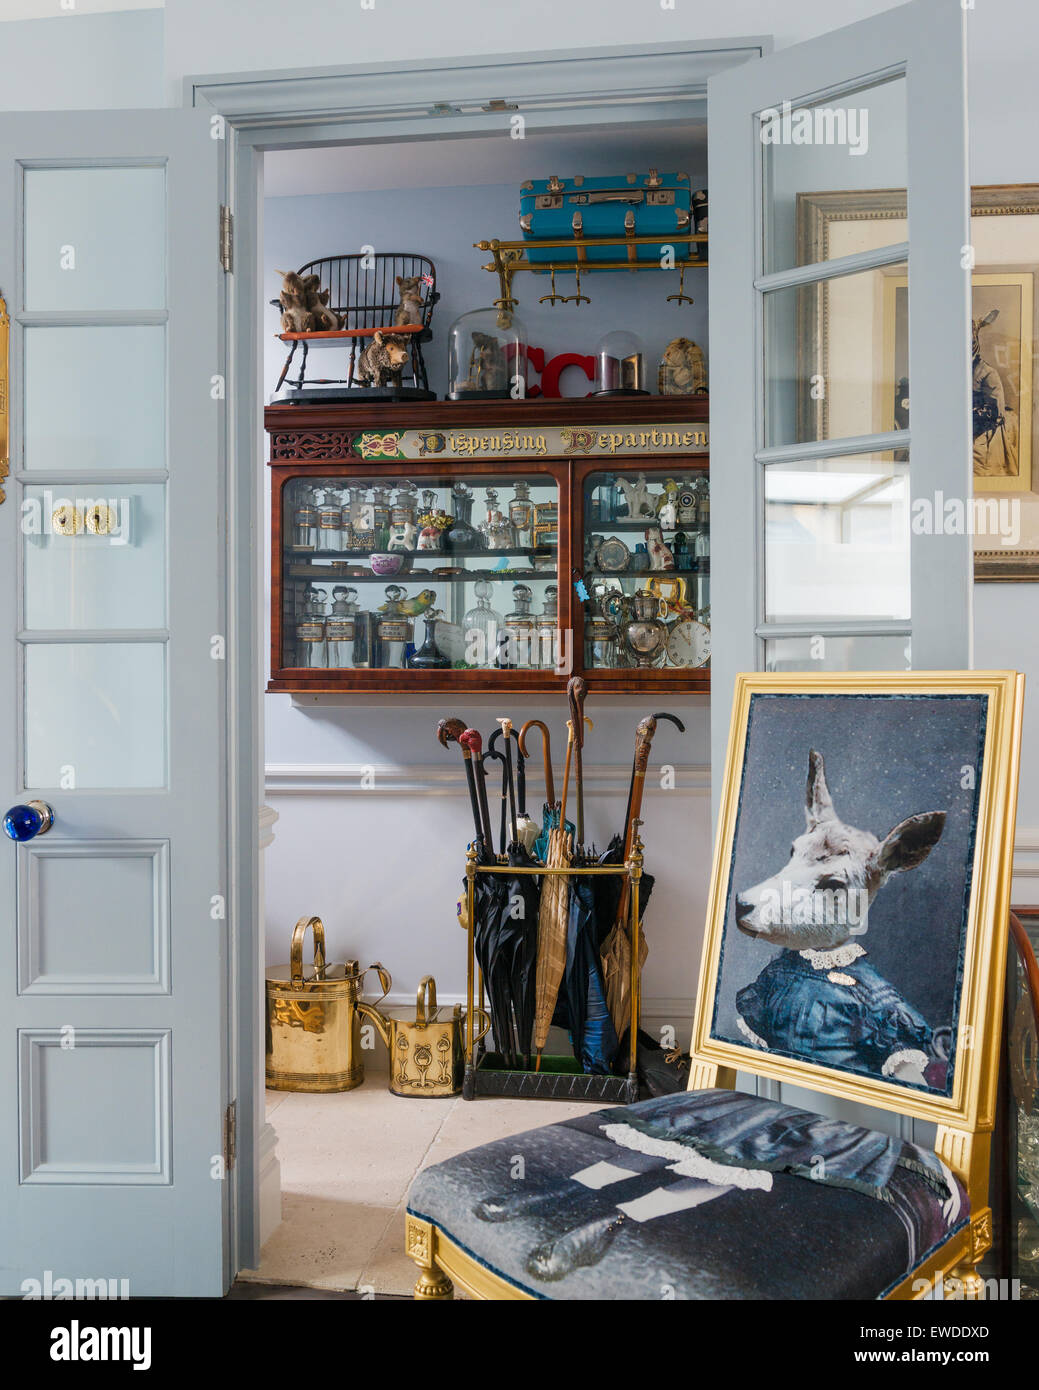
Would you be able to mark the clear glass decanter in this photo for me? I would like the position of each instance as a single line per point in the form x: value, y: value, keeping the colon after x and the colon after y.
x: 482, y: 626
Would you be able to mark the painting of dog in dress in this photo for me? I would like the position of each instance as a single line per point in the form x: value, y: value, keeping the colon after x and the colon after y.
x: 849, y: 883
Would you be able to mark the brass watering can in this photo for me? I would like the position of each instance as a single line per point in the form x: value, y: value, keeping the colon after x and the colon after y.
x: 313, y: 1029
x: 427, y: 1054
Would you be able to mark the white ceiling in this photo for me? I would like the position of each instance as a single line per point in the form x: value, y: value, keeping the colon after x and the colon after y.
x: 50, y: 9
x: 490, y: 159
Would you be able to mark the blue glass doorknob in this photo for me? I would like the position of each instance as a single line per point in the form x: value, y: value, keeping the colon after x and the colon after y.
x: 27, y: 821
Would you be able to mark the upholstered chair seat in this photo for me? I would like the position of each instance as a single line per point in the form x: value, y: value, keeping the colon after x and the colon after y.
x: 707, y: 1194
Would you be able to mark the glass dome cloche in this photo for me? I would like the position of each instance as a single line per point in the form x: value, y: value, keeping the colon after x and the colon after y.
x: 619, y: 365
x: 487, y: 356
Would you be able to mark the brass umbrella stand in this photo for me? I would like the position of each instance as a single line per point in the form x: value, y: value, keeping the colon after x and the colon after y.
x: 557, y: 1079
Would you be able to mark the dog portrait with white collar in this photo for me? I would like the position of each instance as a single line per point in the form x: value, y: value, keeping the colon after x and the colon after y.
x: 849, y: 882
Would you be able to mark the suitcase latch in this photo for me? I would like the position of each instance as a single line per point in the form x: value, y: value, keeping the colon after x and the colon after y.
x: 661, y: 198
x: 548, y: 200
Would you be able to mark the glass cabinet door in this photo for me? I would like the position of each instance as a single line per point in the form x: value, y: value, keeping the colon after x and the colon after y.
x: 430, y: 573
x: 646, y: 568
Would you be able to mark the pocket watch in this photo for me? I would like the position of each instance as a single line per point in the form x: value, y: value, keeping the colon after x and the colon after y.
x: 689, y: 643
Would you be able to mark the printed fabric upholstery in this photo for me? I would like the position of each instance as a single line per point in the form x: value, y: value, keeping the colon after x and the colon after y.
x: 700, y: 1195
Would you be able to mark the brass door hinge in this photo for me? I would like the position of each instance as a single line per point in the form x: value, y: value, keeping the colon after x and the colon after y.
x: 230, y: 1135
x: 226, y: 238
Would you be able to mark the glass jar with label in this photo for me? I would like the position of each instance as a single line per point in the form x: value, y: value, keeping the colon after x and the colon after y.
x: 380, y: 509
x: 482, y: 626
x: 304, y: 521
x: 405, y: 505
x: 515, y: 654
x: 329, y: 521
x: 311, y: 650
x: 394, y: 629
x: 497, y: 527
x: 521, y: 513
x: 544, y: 653
x: 341, y: 629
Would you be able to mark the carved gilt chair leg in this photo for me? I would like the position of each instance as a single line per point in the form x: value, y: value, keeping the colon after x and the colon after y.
x: 432, y: 1283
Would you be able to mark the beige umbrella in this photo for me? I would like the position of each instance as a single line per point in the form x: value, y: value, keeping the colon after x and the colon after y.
x: 552, y: 917
x: 616, y: 949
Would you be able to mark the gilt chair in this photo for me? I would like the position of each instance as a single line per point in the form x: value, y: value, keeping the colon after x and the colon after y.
x: 905, y: 824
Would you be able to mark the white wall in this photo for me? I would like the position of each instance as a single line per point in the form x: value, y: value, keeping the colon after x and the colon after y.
x: 82, y: 61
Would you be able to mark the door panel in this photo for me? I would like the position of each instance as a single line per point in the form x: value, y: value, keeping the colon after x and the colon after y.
x: 813, y: 353
x: 113, y: 1069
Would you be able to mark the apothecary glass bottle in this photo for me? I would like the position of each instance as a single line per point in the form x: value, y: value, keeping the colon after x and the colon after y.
x: 516, y: 653
x: 521, y: 513
x: 546, y: 631
x: 482, y: 626
x: 394, y: 630
x: 329, y: 521
x: 304, y: 520
x: 341, y: 629
x: 311, y: 652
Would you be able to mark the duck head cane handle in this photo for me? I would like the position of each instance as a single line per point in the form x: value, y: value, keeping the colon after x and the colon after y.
x: 550, y: 789
x: 472, y: 740
x: 451, y: 730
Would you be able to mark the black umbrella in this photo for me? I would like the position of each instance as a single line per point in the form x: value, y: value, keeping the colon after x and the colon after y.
x: 505, y: 934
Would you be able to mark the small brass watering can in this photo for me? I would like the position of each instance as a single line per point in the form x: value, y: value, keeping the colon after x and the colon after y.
x: 427, y: 1055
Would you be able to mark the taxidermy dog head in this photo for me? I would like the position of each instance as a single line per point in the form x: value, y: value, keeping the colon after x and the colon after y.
x: 821, y: 897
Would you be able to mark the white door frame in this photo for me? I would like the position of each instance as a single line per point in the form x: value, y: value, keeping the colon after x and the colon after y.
x: 583, y: 89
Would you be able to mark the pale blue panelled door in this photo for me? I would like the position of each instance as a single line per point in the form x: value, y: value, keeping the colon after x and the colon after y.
x: 112, y: 1026
x: 840, y: 353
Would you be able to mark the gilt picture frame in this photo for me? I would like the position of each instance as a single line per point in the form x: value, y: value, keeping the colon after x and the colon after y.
x: 1004, y: 237
x: 914, y: 774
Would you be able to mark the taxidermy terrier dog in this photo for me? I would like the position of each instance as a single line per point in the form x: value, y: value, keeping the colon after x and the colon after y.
x: 818, y: 998
x: 409, y: 310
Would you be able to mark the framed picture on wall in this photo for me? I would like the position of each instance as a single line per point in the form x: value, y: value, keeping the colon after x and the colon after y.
x: 853, y: 337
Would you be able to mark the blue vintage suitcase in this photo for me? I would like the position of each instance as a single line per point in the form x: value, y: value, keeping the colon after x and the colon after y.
x: 626, y: 205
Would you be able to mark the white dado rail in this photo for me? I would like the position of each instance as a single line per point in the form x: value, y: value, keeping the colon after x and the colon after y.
x: 438, y: 779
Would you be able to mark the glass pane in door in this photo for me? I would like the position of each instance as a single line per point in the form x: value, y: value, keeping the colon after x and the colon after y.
x: 855, y: 142
x: 862, y: 652
x: 837, y: 539
x: 837, y: 357
x: 94, y: 557
x: 95, y: 715
x: 95, y: 238
x: 111, y: 385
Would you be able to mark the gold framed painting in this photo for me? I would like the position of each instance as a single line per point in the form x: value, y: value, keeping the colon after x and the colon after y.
x: 851, y: 335
x: 857, y: 916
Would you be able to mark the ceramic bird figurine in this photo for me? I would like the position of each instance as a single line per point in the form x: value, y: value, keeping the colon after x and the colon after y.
x: 413, y: 607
